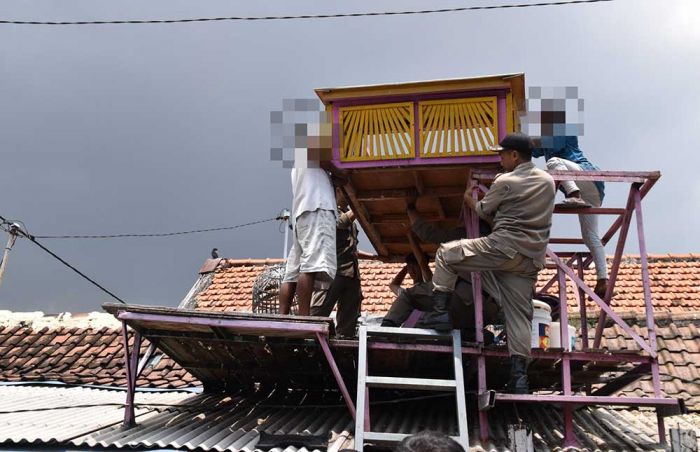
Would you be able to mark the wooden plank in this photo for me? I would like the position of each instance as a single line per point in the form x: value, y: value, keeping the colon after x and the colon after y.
x: 409, y: 192
x: 364, y: 220
x: 421, y: 384
x: 420, y: 257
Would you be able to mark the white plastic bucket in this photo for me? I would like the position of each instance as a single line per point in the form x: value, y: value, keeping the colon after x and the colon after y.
x: 541, y: 321
x: 555, y: 337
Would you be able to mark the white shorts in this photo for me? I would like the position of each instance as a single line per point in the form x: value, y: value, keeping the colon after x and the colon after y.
x: 313, y: 246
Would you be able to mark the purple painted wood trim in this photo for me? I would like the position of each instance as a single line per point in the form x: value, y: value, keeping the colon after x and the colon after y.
x: 569, y: 436
x: 570, y: 439
x: 135, y: 350
x: 323, y: 340
x: 601, y: 303
x: 661, y: 426
x: 336, y: 134
x: 647, y: 177
x: 238, y: 325
x: 129, y: 405
x: 413, y: 319
x: 615, y: 268
x: 582, y: 306
x: 553, y: 279
x: 651, y: 324
x: 374, y: 100
x: 417, y: 142
x: 471, y: 224
x: 501, y: 117
x: 535, y: 353
x: 586, y: 400
x: 419, y: 161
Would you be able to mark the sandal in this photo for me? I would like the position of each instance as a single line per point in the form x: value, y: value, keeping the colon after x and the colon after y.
x: 572, y: 203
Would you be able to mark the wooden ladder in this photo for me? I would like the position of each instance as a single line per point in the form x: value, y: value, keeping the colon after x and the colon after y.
x: 364, y: 382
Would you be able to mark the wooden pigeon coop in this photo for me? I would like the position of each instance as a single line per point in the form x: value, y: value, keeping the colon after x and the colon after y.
x: 419, y: 140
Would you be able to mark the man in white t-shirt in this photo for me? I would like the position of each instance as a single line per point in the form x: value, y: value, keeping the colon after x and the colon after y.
x: 312, y: 258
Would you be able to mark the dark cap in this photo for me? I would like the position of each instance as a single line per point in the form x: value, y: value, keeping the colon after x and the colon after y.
x: 516, y: 141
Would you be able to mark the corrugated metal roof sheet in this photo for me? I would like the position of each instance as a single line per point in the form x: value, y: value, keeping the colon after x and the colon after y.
x: 49, y: 414
x: 82, y: 417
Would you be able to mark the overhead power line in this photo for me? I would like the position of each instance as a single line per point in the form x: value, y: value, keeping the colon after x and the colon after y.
x: 20, y: 232
x: 302, y: 17
x: 155, y: 234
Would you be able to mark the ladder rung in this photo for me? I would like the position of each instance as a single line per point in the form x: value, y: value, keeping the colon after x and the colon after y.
x: 393, y: 331
x: 378, y: 437
x: 385, y: 437
x: 427, y: 384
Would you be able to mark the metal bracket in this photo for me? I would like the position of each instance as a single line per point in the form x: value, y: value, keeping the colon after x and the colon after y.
x: 487, y: 400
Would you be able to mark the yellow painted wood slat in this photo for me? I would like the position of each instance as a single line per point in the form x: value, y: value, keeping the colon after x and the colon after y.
x: 487, y: 129
x: 349, y: 133
x: 463, y: 125
x: 401, y: 143
x: 482, y: 126
x: 361, y: 145
x: 397, y: 134
x: 476, y: 144
x: 376, y: 132
x: 458, y: 127
x: 351, y: 151
x: 452, y: 130
x: 468, y: 125
x: 387, y: 133
x: 431, y: 126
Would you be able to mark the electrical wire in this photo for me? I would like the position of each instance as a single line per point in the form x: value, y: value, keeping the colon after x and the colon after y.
x: 23, y: 233
x: 157, y: 234
x: 302, y: 17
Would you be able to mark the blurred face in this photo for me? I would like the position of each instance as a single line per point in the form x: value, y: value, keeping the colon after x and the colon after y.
x: 509, y: 159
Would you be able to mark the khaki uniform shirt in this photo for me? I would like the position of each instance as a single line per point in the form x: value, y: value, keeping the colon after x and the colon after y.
x: 520, y: 205
x: 346, y: 247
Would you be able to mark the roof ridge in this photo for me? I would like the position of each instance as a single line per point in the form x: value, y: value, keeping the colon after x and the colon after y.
x: 625, y: 257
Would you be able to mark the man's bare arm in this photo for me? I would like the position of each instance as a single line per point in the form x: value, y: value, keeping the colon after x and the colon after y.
x: 395, y: 284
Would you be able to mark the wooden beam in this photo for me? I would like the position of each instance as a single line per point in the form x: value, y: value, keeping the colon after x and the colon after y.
x: 420, y: 256
x: 420, y: 186
x: 399, y: 218
x: 364, y: 219
x: 403, y: 193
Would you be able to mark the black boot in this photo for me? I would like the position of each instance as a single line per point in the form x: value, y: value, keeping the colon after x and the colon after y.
x: 439, y: 318
x: 386, y: 322
x: 518, y: 376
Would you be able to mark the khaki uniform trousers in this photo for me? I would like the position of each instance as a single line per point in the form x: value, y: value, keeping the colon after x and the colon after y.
x: 346, y: 292
x: 509, y: 280
x: 461, y: 306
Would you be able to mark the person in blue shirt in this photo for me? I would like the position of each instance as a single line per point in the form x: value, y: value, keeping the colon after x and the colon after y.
x: 562, y: 153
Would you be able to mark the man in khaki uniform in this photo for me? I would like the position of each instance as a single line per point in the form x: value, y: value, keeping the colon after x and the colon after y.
x: 519, y: 206
x: 345, y: 290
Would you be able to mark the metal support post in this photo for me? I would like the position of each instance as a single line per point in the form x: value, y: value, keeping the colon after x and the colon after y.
x: 569, y: 435
x: 582, y: 307
x: 651, y: 325
x: 323, y: 340
x: 619, y: 249
x: 471, y: 221
x: 130, y: 361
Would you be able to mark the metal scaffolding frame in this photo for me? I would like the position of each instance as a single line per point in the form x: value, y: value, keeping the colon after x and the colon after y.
x: 568, y: 264
x: 571, y: 265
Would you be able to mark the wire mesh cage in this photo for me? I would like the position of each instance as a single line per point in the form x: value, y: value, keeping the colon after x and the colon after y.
x: 266, y: 290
